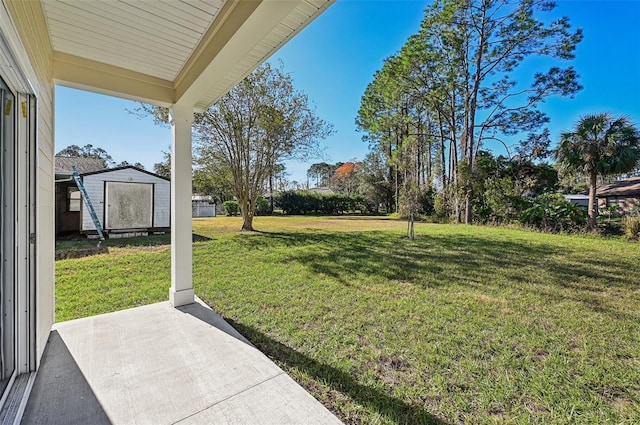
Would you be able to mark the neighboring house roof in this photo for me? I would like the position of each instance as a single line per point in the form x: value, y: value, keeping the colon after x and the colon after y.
x: 626, y: 187
x: 108, y: 170
x: 201, y: 198
x: 576, y: 197
x: 84, y: 165
x: 321, y: 190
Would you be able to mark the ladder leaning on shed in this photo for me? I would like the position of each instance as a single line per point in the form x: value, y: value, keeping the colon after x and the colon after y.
x: 87, y: 202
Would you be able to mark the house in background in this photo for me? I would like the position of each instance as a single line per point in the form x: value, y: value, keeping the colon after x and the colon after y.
x: 624, y: 193
x: 579, y: 200
x: 180, y: 55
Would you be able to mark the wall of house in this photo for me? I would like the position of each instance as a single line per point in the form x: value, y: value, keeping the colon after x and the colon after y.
x: 626, y: 203
x: 95, y: 185
x: 28, y: 19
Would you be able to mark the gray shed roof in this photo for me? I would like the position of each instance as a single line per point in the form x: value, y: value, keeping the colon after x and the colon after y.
x: 84, y: 165
x: 109, y: 170
x: 626, y: 187
x: 321, y: 190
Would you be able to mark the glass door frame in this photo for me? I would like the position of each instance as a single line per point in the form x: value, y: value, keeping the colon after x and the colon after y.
x: 8, y: 251
x: 17, y: 235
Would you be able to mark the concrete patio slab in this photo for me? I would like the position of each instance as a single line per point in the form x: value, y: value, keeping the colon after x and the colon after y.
x: 161, y: 365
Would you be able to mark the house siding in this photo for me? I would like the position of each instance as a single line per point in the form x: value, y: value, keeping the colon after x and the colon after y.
x: 95, y: 186
x: 626, y: 203
x: 24, y: 15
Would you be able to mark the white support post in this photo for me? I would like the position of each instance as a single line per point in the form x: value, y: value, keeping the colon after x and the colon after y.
x: 181, y: 292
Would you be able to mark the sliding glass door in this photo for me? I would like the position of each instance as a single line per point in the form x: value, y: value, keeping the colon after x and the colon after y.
x: 7, y: 236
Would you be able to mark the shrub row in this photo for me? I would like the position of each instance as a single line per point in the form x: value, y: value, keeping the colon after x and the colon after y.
x: 299, y: 202
x: 232, y: 208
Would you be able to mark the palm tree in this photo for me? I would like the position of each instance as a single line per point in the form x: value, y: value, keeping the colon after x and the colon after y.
x: 599, y: 144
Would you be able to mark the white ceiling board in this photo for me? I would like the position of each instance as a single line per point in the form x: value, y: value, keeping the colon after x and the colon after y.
x: 119, y: 24
x: 206, y: 6
x: 168, y: 51
x: 176, y: 13
x: 151, y: 37
x: 135, y: 18
x: 66, y: 38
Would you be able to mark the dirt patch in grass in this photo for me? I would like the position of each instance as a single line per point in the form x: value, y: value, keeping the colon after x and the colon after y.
x: 63, y: 254
x: 139, y: 249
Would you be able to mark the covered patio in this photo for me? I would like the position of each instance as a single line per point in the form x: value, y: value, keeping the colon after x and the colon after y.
x: 162, y: 365
x: 172, y: 362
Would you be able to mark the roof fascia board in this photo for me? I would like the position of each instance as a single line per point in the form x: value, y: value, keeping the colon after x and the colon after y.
x: 233, y: 14
x: 86, y: 74
x: 124, y: 167
x: 230, y: 52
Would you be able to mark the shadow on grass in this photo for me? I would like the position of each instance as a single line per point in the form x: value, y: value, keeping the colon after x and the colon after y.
x: 395, y: 409
x: 558, y: 271
x: 85, y: 247
x: 198, y: 238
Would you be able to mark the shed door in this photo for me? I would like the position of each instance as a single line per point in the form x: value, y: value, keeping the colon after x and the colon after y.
x: 128, y: 205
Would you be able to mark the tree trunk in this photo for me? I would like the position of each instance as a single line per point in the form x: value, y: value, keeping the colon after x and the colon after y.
x: 411, y: 230
x: 247, y: 223
x: 247, y: 217
x: 428, y: 172
x: 593, y: 205
x: 443, y: 171
x: 397, y: 191
x: 271, y: 205
x: 471, y: 115
x: 390, y: 196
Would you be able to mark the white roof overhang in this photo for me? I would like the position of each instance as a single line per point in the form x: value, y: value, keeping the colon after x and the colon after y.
x: 168, y: 51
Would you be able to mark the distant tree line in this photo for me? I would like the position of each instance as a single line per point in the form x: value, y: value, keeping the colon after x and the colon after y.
x: 90, y: 151
x: 451, y: 88
x: 522, y: 188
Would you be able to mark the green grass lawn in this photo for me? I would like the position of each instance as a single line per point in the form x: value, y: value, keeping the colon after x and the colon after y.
x: 463, y: 325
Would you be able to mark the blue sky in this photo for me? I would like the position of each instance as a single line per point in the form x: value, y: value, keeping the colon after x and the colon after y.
x: 334, y: 58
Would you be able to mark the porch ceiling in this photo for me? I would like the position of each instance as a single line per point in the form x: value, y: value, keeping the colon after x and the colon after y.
x: 168, y: 51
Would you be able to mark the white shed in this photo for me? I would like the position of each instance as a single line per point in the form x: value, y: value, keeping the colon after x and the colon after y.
x: 127, y: 200
x: 202, y: 206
